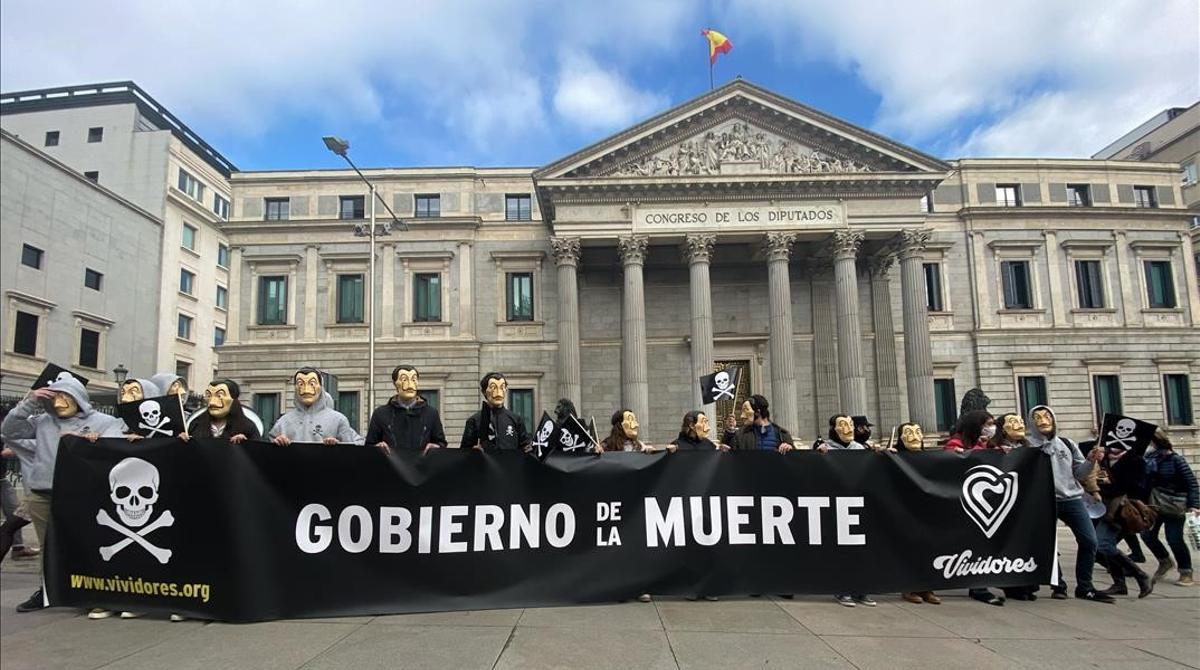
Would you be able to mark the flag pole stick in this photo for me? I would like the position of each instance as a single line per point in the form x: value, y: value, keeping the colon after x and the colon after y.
x: 710, y: 75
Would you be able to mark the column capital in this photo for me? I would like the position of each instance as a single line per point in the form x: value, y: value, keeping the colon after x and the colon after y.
x: 698, y: 247
x: 566, y: 250
x: 880, y: 264
x: 778, y: 246
x: 911, y: 242
x: 846, y: 243
x: 632, y: 249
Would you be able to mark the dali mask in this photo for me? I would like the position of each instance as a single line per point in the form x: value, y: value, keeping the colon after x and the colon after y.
x: 1014, y: 428
x: 702, y: 427
x: 1043, y: 420
x: 131, y: 391
x: 308, y: 388
x: 843, y: 426
x: 64, y: 405
x: 747, y: 413
x: 406, y: 384
x: 912, y: 437
x: 630, y: 425
x: 220, y: 401
x: 496, y: 392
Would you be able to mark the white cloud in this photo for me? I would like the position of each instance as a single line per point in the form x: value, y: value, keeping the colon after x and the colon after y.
x: 593, y: 98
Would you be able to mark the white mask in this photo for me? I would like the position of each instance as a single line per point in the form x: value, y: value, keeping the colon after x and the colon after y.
x: 989, y: 432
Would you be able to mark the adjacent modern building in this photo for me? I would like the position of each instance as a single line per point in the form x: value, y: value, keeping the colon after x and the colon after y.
x: 119, y: 137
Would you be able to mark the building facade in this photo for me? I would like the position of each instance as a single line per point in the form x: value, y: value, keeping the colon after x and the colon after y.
x: 837, y: 270
x: 116, y: 135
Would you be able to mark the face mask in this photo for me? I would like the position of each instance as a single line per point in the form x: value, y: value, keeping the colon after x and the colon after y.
x: 989, y: 432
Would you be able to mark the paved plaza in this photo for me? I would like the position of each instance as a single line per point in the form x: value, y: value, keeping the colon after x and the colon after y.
x: 1162, y: 631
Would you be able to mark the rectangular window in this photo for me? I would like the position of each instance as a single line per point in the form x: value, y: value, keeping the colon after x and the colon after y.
x: 51, y: 138
x: 185, y: 327
x: 1189, y: 173
x: 1032, y: 392
x: 95, y: 135
x: 222, y: 297
x: 276, y: 209
x: 187, y: 282
x: 1089, y: 284
x: 25, y: 334
x: 218, y: 336
x: 351, y: 207
x: 221, y: 207
x: 266, y: 406
x: 1018, y: 293
x: 223, y: 254
x: 272, y: 301
x: 426, y: 205
x: 520, y: 296
x: 189, y: 237
x: 350, y: 299
x: 520, y: 402
x: 1008, y: 195
x: 933, y: 287
x: 89, y: 348
x: 1179, y: 400
x: 1079, y: 195
x: 92, y: 279
x: 1160, y: 285
x: 1106, y: 391
x: 433, y: 398
x: 427, y: 296
x: 190, y: 185
x: 944, y: 404
x: 32, y: 256
x: 92, y: 176
x: 347, y: 403
x: 184, y: 369
x: 1143, y: 196
x: 518, y: 207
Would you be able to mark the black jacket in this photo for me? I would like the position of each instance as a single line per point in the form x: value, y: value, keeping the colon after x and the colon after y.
x: 688, y: 442
x: 405, y: 427
x: 508, y: 430
x: 236, y: 423
x: 747, y: 437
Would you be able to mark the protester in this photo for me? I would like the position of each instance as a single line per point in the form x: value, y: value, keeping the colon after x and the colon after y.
x: 862, y: 432
x: 313, y: 418
x: 494, y: 426
x: 564, y: 410
x: 15, y: 516
x: 173, y: 384
x: 1122, y: 474
x: 763, y: 433
x: 1010, y: 433
x: 840, y: 436
x: 624, y: 435
x: 136, y: 390
x: 406, y: 420
x: 911, y: 439
x: 973, y: 431
x: 693, y: 434
x: 1070, y: 470
x: 224, y: 418
x: 1175, y: 494
x: 744, y: 418
x: 69, y: 412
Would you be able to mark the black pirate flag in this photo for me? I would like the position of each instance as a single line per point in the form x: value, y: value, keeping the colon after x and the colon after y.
x: 53, y: 373
x: 154, y: 417
x: 1125, y: 434
x: 719, y: 386
x: 544, y: 440
x: 571, y: 436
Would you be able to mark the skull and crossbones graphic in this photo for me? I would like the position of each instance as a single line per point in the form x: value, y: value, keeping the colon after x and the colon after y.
x: 1122, y: 434
x: 569, y: 441
x: 542, y: 439
x: 153, y: 419
x: 724, y: 386
x: 133, y: 488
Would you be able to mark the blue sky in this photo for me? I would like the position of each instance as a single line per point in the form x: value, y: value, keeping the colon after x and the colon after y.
x: 497, y: 82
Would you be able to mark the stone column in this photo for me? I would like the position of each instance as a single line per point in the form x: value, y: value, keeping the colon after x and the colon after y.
x: 918, y: 353
x: 387, y: 292
x: 697, y: 251
x: 238, y: 300
x: 466, y: 291
x: 887, y: 376
x: 311, y: 270
x: 852, y: 383
x: 566, y: 258
x: 635, y: 386
x: 825, y: 362
x: 778, y: 250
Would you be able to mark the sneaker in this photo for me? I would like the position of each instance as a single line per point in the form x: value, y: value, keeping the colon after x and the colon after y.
x: 132, y: 615
x: 1094, y: 596
x: 33, y: 604
x: 176, y: 618
x: 1185, y: 579
x: 25, y: 554
x: 99, y: 613
x: 1164, y: 566
x: 645, y: 598
x: 845, y: 601
x: 865, y: 601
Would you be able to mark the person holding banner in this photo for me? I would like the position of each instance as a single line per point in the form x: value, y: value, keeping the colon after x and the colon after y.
x: 1174, y: 491
x: 406, y: 421
x: 68, y: 411
x: 744, y: 418
x: 693, y: 434
x: 841, y: 435
x: 494, y: 426
x: 975, y: 428
x: 313, y: 419
x: 762, y: 432
x: 224, y: 418
x: 136, y: 390
x: 909, y: 438
x: 624, y: 435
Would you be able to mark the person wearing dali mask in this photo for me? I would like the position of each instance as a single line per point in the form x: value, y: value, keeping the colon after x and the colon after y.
x: 494, y: 426
x: 694, y: 432
x: 313, y: 419
x: 224, y: 418
x: 406, y: 421
x: 841, y: 435
x: 1010, y: 433
x: 624, y: 435
x: 911, y: 439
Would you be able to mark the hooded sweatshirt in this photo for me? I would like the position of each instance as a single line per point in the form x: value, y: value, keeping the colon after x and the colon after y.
x: 315, y: 423
x: 1066, y: 460
x: 163, y: 381
x: 28, y: 420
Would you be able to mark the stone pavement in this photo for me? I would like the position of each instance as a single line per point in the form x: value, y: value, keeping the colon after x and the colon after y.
x: 1162, y: 631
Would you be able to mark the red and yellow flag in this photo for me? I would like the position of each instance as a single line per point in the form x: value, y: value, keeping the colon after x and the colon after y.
x: 717, y: 44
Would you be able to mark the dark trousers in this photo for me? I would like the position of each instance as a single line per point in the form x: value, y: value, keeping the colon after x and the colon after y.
x: 1075, y: 516
x: 1174, y: 525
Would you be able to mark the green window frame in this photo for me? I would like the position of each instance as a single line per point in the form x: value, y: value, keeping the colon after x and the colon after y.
x: 272, y: 300
x: 266, y: 406
x: 1106, y: 394
x: 350, y: 298
x: 1160, y: 285
x: 1031, y: 392
x: 944, y: 404
x: 1018, y: 289
x: 1090, y: 284
x: 427, y: 297
x: 347, y: 403
x: 519, y: 296
x: 520, y: 402
x: 1178, y: 391
x: 933, y: 286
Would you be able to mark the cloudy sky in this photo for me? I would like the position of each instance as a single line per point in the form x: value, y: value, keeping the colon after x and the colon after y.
x: 504, y: 82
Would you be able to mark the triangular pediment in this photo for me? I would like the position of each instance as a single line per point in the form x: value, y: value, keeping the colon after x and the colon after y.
x: 741, y: 130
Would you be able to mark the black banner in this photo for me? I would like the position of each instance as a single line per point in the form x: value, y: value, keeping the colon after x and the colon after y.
x: 257, y: 531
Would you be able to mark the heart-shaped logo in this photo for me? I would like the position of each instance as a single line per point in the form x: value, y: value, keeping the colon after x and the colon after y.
x: 988, y: 495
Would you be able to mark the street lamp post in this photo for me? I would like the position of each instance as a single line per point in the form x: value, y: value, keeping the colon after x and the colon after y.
x: 342, y: 147
x: 120, y: 373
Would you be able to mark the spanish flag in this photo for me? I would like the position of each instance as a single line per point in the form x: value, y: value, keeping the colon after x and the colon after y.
x: 717, y: 44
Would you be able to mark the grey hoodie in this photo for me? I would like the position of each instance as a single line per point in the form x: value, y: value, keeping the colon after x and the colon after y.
x: 1066, y: 460
x: 163, y: 381
x: 28, y: 420
x: 315, y: 423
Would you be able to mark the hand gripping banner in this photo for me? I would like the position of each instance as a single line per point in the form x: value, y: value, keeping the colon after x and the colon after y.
x: 257, y: 531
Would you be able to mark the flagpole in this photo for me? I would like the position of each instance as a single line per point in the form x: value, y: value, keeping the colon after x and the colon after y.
x: 710, y: 74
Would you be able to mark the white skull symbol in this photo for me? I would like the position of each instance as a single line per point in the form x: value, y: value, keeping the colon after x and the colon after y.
x: 133, y: 487
x: 544, y: 433
x: 1125, y: 428
x: 722, y: 380
x: 150, y: 412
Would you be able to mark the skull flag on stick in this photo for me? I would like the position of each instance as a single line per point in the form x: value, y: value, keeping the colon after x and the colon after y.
x: 53, y: 373
x: 719, y: 386
x: 1123, y: 433
x: 543, y: 438
x: 572, y: 436
x: 154, y: 417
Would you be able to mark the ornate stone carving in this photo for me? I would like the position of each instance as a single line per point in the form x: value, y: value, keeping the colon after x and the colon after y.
x: 698, y: 248
x: 566, y: 250
x: 778, y: 246
x: 911, y: 242
x: 632, y: 249
x: 737, y: 148
x: 845, y: 243
x: 880, y: 264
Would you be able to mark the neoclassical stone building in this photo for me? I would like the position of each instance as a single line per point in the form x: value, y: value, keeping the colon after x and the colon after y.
x: 838, y: 270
